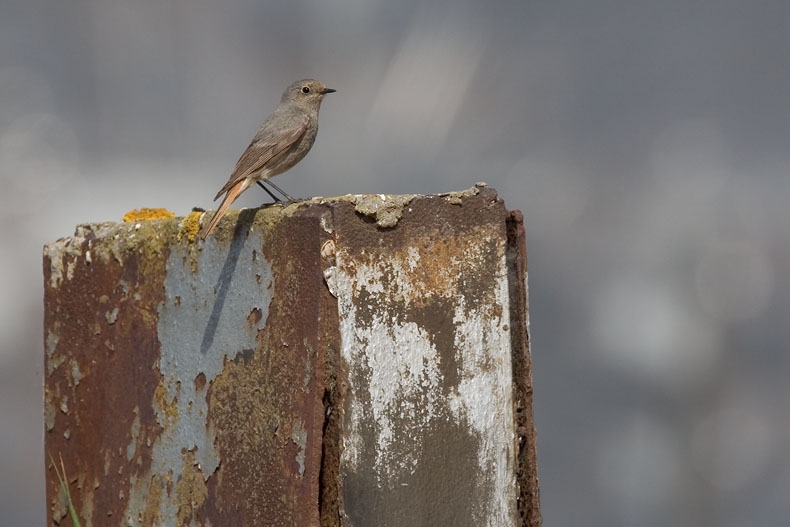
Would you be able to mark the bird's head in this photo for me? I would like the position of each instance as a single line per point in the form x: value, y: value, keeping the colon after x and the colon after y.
x: 307, y: 93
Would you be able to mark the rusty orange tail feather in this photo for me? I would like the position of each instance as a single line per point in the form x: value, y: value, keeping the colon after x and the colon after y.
x: 230, y: 197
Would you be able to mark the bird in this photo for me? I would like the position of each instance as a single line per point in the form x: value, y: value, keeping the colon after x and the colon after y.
x: 283, y: 140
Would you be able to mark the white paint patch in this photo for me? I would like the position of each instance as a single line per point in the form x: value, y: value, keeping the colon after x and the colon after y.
x: 69, y: 249
x: 397, y: 386
x: 134, y: 435
x: 299, y: 437
x: 484, y: 397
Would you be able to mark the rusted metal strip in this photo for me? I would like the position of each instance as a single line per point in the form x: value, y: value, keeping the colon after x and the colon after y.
x: 186, y: 382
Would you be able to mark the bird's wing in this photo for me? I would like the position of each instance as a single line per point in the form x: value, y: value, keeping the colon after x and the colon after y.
x: 263, y: 149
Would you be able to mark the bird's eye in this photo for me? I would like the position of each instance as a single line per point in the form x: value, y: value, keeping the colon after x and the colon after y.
x: 305, y: 89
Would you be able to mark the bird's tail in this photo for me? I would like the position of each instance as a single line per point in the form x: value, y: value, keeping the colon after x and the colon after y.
x: 230, y: 197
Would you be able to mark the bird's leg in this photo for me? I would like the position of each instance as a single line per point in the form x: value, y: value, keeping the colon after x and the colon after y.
x: 281, y: 191
x: 269, y: 192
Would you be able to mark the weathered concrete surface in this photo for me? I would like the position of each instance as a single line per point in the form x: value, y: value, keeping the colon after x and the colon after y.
x: 358, y: 361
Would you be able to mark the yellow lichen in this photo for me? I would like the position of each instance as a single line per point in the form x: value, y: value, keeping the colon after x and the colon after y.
x: 146, y: 214
x: 190, y: 226
x: 191, y: 490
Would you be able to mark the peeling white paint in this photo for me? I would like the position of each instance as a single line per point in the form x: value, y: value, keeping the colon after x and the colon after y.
x: 299, y: 437
x: 396, y: 379
x: 76, y: 373
x: 134, y: 435
x: 51, y: 343
x: 71, y: 250
x: 56, y: 252
x: 395, y: 373
x: 111, y: 316
x: 485, y: 394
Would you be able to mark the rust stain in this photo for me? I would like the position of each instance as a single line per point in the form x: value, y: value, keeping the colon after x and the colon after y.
x: 191, y: 490
x: 527, y: 466
x: 200, y: 382
x: 268, y: 431
x: 254, y: 317
x: 98, y: 385
x: 168, y: 407
x: 413, y: 274
x: 418, y: 284
x: 153, y: 502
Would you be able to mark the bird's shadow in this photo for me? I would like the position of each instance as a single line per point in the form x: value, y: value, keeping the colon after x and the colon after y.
x: 240, y: 236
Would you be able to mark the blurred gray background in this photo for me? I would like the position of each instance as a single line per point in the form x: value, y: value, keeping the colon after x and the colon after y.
x: 648, y: 145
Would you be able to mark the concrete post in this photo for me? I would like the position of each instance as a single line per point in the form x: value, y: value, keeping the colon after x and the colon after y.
x: 353, y: 361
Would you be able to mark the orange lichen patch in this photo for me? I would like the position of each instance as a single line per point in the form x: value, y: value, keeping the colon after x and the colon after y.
x: 190, y: 226
x: 146, y: 214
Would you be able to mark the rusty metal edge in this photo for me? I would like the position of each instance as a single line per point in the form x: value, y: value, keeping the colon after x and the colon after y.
x: 330, y: 504
x: 526, y: 468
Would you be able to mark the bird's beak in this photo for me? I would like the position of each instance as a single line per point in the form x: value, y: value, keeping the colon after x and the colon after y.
x: 328, y: 90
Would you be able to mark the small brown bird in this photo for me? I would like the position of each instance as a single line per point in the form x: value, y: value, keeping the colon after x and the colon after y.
x: 283, y: 140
